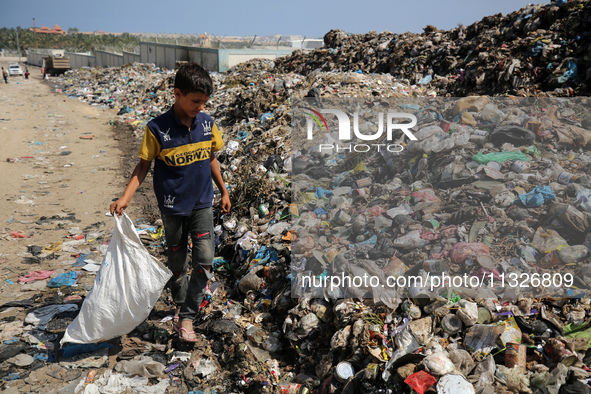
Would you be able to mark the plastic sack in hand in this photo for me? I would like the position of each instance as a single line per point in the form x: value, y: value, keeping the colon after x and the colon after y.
x: 125, y: 290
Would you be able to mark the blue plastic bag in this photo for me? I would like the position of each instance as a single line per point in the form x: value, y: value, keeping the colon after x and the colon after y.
x: 425, y: 80
x: 536, y: 197
x: 570, y: 73
x: 65, y: 279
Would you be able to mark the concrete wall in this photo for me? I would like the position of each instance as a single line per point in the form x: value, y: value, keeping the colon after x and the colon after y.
x: 107, y: 59
x: 308, y: 43
x: 130, y: 57
x: 231, y: 57
x: 9, y: 53
x: 78, y: 60
x: 166, y: 55
x: 162, y: 55
x: 35, y: 59
x: 206, y: 57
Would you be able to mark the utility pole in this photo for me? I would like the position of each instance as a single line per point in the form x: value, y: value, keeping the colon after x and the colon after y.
x: 35, y: 33
x: 18, y: 47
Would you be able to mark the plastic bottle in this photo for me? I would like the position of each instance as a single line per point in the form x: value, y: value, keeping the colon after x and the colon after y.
x: 422, y: 168
x: 527, y: 177
x: 555, y: 171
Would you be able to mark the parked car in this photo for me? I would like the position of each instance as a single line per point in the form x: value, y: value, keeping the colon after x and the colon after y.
x: 15, y: 69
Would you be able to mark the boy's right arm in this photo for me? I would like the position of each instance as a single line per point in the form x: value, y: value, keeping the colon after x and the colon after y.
x: 137, y: 177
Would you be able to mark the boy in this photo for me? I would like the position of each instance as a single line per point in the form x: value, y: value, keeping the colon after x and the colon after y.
x: 183, y: 141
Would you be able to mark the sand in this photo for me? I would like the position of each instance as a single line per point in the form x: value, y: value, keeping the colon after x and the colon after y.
x: 39, y: 178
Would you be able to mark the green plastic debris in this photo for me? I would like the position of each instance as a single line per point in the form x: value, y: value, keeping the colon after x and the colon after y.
x: 581, y: 334
x: 532, y: 150
x: 499, y: 157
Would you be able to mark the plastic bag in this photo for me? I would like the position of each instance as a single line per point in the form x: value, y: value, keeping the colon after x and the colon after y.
x: 425, y: 80
x: 518, y: 136
x: 142, y: 366
x: 65, y: 279
x: 463, y: 251
x: 438, y: 364
x: 584, y: 199
x: 125, y: 289
x: 468, y: 312
x: 548, y: 240
x: 451, y: 384
x: 570, y: 73
x: 514, y: 379
x: 484, y: 373
x: 536, y: 197
x: 420, y: 381
x: 462, y: 360
x: 111, y: 382
x: 499, y: 157
x: 410, y: 240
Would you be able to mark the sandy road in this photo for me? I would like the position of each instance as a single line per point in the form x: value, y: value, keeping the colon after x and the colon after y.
x: 58, y: 157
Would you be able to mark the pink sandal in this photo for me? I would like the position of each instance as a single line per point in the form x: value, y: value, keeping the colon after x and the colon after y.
x: 180, y: 330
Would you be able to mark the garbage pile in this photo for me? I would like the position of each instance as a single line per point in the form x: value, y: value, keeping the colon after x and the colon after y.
x: 481, y: 195
x: 492, y: 189
x: 538, y: 50
x: 139, y: 92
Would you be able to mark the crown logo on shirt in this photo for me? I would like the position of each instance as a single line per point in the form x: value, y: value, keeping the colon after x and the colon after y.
x: 169, y: 201
x: 207, y: 127
x: 165, y: 136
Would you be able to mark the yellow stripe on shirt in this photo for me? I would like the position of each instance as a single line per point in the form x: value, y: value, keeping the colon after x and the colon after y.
x: 186, y: 154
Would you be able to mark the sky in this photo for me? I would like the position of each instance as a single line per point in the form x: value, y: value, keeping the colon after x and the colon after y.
x: 310, y: 18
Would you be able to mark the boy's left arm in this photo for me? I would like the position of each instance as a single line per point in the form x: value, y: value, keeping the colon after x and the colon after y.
x: 216, y: 175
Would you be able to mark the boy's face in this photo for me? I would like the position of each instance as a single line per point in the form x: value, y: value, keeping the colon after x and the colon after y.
x: 190, y: 104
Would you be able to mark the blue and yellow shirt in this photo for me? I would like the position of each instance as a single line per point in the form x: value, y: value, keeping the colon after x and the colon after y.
x: 182, y: 172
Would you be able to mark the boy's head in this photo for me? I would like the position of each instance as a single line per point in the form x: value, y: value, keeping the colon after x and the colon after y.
x: 192, y: 78
x: 192, y: 88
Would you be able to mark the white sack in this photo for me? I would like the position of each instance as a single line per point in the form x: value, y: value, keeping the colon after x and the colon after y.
x: 125, y: 289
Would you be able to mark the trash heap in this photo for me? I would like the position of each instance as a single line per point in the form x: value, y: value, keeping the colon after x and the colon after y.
x: 533, y: 51
x: 139, y: 92
x: 491, y: 188
x: 481, y: 193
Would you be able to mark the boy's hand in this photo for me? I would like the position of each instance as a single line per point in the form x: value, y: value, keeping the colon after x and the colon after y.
x: 225, y: 204
x: 119, y: 206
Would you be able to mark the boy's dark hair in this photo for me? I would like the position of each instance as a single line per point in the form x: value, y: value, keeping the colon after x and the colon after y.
x: 191, y: 77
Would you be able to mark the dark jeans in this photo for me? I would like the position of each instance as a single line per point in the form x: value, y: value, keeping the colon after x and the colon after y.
x: 189, y: 293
